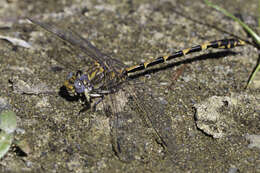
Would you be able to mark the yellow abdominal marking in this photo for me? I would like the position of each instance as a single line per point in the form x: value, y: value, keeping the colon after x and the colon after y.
x: 229, y: 46
x: 165, y: 57
x: 185, y: 51
x: 205, y: 46
x: 242, y: 42
x: 147, y: 63
x: 131, y: 68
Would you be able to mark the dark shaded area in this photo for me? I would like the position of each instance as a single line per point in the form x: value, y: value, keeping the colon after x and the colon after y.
x: 19, y: 152
x: 56, y: 69
x: 66, y: 95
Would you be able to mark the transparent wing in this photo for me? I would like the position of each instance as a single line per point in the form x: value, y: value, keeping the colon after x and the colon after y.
x: 83, y: 44
x: 153, y: 113
x: 128, y: 135
x: 133, y: 115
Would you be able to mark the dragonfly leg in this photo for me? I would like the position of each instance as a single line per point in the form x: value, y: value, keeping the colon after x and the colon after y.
x: 84, y: 109
x: 97, y: 102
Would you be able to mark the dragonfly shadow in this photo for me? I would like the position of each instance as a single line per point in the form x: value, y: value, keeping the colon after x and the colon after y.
x: 216, y: 55
x: 65, y: 94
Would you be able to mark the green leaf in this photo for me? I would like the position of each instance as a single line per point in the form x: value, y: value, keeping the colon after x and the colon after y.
x: 8, y: 121
x: 5, y: 142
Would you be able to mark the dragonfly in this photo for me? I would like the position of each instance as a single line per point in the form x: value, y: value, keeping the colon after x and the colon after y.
x: 108, y: 82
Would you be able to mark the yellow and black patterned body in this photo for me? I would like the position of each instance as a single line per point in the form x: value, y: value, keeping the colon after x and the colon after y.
x: 98, y: 80
x: 226, y: 44
x: 94, y: 82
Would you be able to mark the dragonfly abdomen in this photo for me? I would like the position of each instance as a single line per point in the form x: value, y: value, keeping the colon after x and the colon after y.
x: 226, y: 44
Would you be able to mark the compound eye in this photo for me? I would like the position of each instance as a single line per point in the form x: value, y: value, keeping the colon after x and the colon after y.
x: 79, y: 86
x: 84, y: 78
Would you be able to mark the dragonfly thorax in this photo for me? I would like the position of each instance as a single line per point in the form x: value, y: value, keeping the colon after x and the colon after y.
x: 92, y: 83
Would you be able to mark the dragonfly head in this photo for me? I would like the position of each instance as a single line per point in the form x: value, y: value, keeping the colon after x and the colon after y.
x: 78, y: 83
